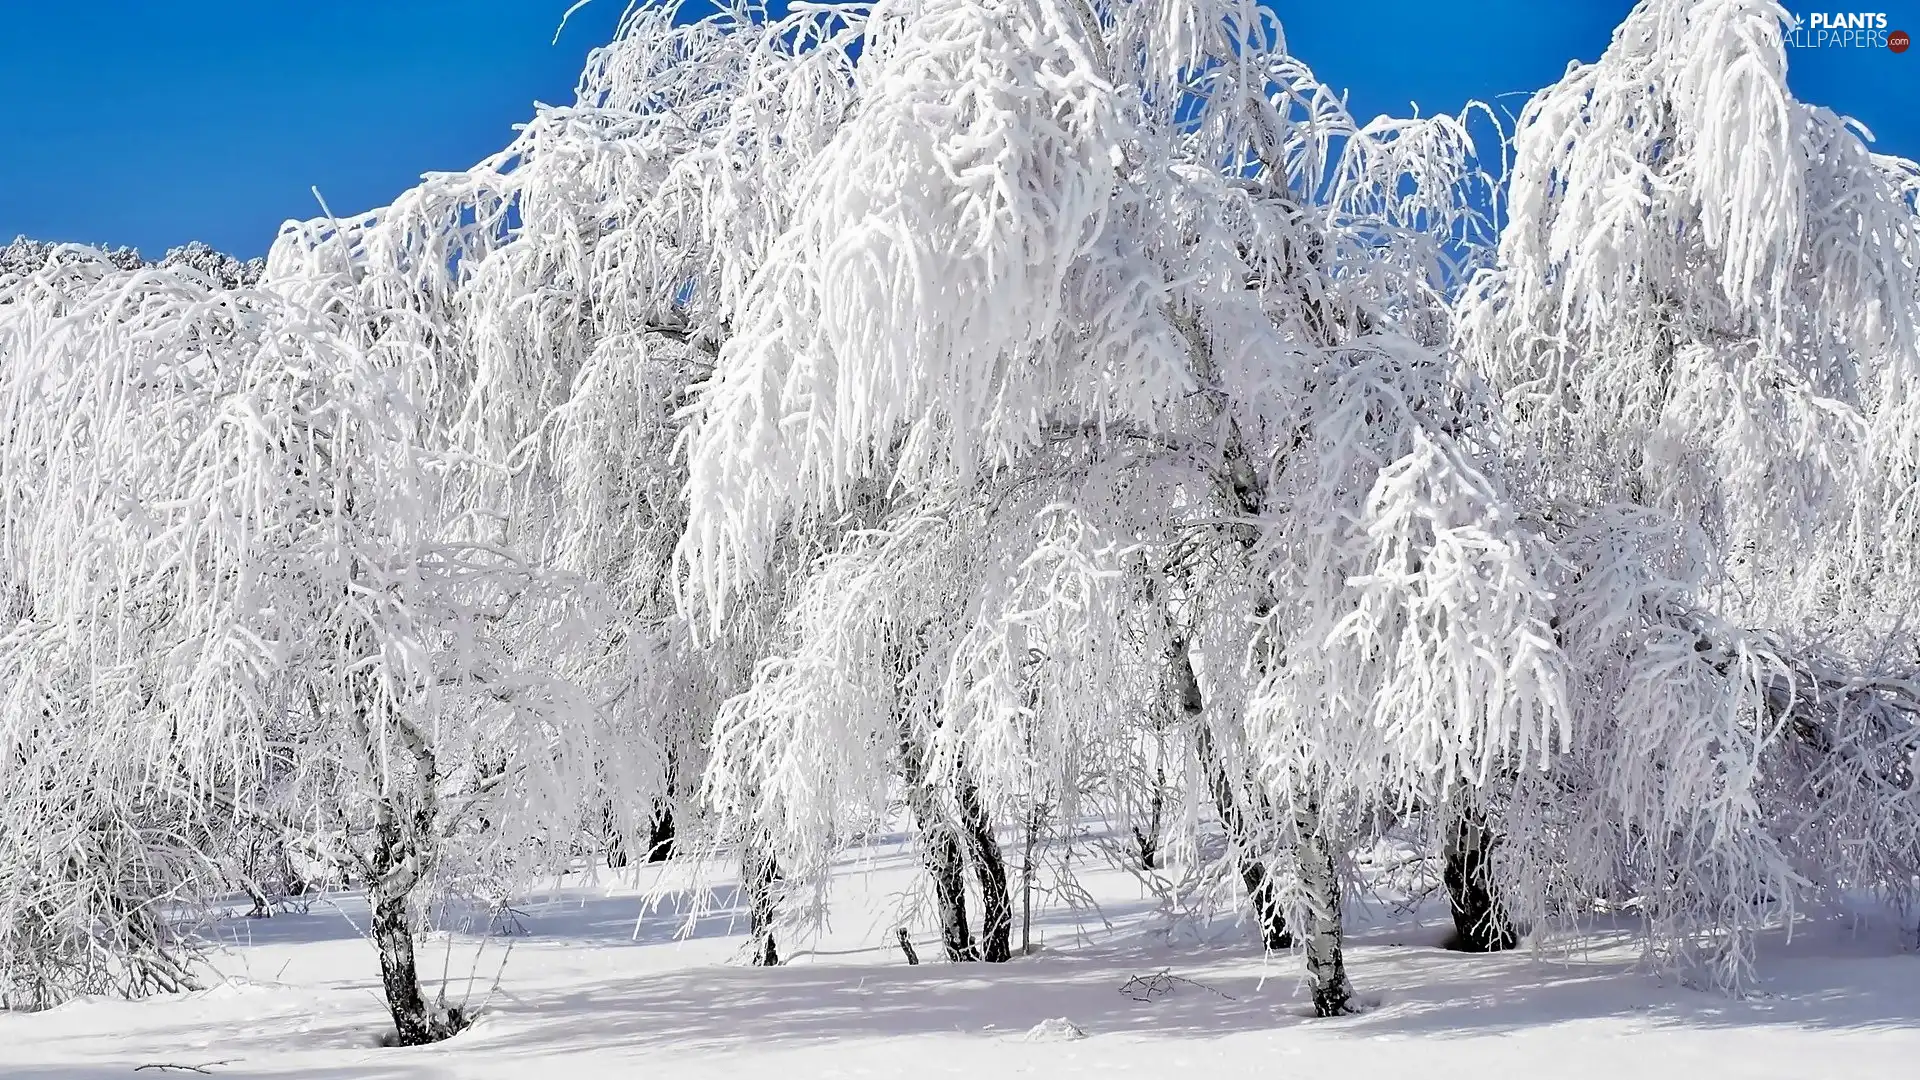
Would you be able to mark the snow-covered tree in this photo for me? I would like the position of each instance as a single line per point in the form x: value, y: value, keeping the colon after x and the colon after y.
x: 1702, y: 327
x: 254, y: 515
x: 98, y: 863
x: 1144, y: 223
x: 547, y: 311
x: 99, y: 852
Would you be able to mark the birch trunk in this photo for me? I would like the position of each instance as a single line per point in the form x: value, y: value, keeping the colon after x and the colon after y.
x: 406, y: 820
x: 397, y: 863
x: 413, y: 1024
x: 1262, y: 892
x: 1320, y: 880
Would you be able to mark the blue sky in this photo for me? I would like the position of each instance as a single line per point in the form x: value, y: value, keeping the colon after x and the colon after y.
x: 150, y: 124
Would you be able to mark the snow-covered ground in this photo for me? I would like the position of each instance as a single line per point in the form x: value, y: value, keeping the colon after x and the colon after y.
x: 593, y: 990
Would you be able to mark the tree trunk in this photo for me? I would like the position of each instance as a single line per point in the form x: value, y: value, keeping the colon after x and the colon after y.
x: 617, y: 857
x: 292, y: 882
x: 940, y: 851
x: 1262, y: 891
x: 761, y: 874
x: 251, y: 873
x: 400, y: 975
x: 1147, y: 840
x: 1480, y: 923
x: 996, y: 900
x: 1320, y: 879
x: 660, y: 840
x: 944, y: 846
x: 406, y: 822
x: 395, y: 864
x: 1034, y: 821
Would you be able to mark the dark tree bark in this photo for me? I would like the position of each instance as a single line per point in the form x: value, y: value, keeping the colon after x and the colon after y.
x: 948, y: 867
x: 155, y: 961
x: 761, y: 874
x: 1035, y: 821
x: 946, y: 846
x: 617, y: 856
x: 252, y: 873
x: 1262, y: 891
x: 1480, y: 923
x: 291, y: 881
x: 661, y: 837
x: 414, y: 1023
x: 990, y: 868
x: 1147, y: 839
x: 940, y: 850
x: 262, y: 907
x: 395, y: 872
x: 406, y: 820
x: 1263, y: 899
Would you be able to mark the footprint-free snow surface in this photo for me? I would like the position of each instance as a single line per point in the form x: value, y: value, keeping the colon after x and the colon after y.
x: 595, y: 986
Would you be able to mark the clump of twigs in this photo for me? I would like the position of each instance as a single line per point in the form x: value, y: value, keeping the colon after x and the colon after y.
x: 1162, y: 983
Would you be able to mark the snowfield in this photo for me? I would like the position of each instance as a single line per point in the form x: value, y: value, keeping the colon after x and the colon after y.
x: 597, y: 989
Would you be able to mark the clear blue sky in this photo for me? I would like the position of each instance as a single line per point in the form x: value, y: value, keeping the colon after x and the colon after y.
x: 151, y: 123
